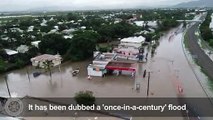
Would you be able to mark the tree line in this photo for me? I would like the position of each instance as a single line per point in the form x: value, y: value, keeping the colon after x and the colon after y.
x: 205, y: 30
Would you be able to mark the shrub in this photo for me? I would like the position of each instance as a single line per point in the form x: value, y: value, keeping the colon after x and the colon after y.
x: 211, y: 43
x: 85, y: 98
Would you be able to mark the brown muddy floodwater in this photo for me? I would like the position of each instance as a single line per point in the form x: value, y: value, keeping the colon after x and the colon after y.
x: 169, y: 68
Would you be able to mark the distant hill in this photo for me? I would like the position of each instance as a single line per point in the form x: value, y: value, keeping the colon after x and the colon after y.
x: 198, y: 3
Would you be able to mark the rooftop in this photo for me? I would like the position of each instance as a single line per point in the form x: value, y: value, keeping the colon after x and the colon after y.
x: 46, y: 57
x: 139, y: 39
x: 10, y: 52
x: 105, y: 57
x: 115, y: 65
x: 127, y: 49
x: 35, y: 43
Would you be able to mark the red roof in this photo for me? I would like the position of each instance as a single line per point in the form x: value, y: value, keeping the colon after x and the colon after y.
x: 121, y: 66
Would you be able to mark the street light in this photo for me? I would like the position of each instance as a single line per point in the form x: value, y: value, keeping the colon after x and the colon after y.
x: 28, y: 75
x: 148, y: 84
x: 147, y: 92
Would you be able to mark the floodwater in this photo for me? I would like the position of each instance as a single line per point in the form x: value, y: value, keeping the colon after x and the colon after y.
x: 169, y: 69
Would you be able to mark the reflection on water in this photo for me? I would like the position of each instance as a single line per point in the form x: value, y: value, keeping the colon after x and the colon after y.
x: 168, y: 63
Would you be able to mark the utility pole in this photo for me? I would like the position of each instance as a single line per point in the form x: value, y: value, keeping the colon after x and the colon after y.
x: 28, y: 74
x: 147, y: 94
x: 7, y: 86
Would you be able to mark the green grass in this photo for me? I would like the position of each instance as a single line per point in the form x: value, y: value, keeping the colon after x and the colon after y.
x: 204, y: 44
x: 186, y: 38
x: 185, y: 41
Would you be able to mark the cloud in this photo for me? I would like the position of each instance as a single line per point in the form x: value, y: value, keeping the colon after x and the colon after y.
x: 31, y: 4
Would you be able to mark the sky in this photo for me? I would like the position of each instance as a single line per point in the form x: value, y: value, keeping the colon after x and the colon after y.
x: 13, y: 5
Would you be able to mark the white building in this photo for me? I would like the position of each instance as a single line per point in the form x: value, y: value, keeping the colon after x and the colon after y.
x: 44, y: 22
x: 152, y: 24
x: 211, y: 24
x: 68, y: 31
x: 128, y: 48
x: 139, y: 23
x: 30, y: 28
x: 68, y: 36
x: 135, y: 42
x: 83, y: 27
x: 97, y: 68
x: 10, y: 52
x: 41, y: 60
x: 35, y: 43
x: 52, y: 31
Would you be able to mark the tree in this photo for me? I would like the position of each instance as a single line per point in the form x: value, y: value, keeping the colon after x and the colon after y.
x: 206, y: 32
x: 166, y: 24
x: 45, y: 29
x: 211, y: 43
x: 106, y: 33
x: 85, y: 98
x: 82, y: 45
x: 184, y: 24
x: 2, y: 65
x: 47, y: 66
x: 24, y: 24
x: 53, y: 44
x: 119, y: 30
x: 72, y: 16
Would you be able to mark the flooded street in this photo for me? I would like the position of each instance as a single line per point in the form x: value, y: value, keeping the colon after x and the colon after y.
x: 63, y: 84
x: 169, y: 70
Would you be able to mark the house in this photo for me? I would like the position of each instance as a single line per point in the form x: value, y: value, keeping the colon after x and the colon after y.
x: 68, y: 31
x: 83, y: 27
x: 52, y: 31
x: 35, y: 43
x: 139, y: 23
x: 30, y: 28
x: 10, y: 54
x: 60, y: 23
x: 68, y: 36
x: 152, y: 24
x: 44, y: 22
x: 51, y: 19
x: 135, y: 42
x: 40, y: 61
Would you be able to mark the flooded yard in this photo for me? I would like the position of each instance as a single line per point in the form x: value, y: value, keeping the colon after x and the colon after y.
x: 168, y: 67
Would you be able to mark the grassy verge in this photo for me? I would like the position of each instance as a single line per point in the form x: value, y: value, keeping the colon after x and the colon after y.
x: 186, y: 38
x: 185, y: 41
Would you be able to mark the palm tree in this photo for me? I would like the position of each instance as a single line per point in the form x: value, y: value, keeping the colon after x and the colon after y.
x: 47, y: 66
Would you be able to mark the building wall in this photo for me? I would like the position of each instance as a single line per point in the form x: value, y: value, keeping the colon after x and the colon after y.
x: 136, y: 45
x: 93, y: 72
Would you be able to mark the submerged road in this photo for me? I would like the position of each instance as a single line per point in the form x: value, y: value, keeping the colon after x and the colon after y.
x: 203, y: 60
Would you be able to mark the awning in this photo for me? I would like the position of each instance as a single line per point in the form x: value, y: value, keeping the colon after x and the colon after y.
x: 121, y: 66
